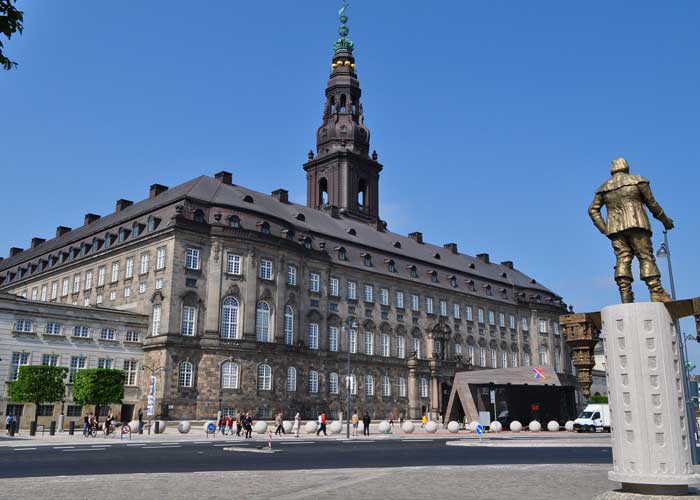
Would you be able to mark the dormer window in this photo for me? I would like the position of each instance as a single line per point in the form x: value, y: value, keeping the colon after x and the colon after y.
x: 96, y: 245
x: 289, y: 233
x: 367, y: 259
x: 109, y: 239
x: 397, y: 244
x: 471, y: 285
x: 503, y: 292
x: 198, y: 215
x: 136, y: 230
x: 52, y: 260
x: 301, y: 217
x: 453, y: 281
x: 413, y: 270
x: 61, y: 257
x: 307, y: 243
x: 234, y: 221
x: 391, y: 265
x: 487, y: 290
x: 504, y: 275
x: 352, y: 232
x: 433, y: 276
x: 248, y: 199
x: 472, y: 266
x: 342, y: 254
x: 72, y: 253
x: 264, y: 227
x: 84, y: 249
x: 123, y: 235
x: 152, y: 223
x: 437, y: 256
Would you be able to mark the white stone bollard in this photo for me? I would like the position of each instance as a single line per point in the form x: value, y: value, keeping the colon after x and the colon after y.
x: 384, y: 426
x: 495, y: 426
x: 134, y: 426
x: 431, y: 427
x: 260, y: 427
x: 534, y: 426
x: 184, y: 427
x: 161, y: 426
x: 473, y: 426
x: 569, y: 426
x: 453, y: 427
x: 335, y: 427
x: 408, y: 427
x: 516, y: 426
x: 647, y: 404
x: 553, y: 426
x: 311, y: 427
x: 287, y: 426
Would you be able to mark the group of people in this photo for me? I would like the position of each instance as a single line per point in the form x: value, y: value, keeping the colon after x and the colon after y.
x: 10, y: 422
x: 230, y: 425
x: 91, y: 424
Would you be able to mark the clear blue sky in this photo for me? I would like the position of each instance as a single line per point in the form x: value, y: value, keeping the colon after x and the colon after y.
x: 495, y: 120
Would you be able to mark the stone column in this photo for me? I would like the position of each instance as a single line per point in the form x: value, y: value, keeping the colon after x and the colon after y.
x: 413, y: 409
x: 651, y: 448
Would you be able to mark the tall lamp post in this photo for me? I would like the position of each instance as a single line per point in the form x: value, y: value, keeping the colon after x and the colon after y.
x: 665, y: 251
x: 350, y: 324
x: 150, y: 410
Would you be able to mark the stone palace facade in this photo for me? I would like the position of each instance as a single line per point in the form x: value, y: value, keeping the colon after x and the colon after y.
x: 253, y: 302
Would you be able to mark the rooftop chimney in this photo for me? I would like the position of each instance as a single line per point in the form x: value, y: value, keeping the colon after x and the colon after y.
x: 224, y: 177
x: 90, y: 218
x: 417, y: 237
x: 122, y: 204
x: 483, y: 257
x: 156, y: 189
x: 281, y: 195
x: 37, y: 241
x: 507, y: 263
x: 15, y: 250
x: 452, y: 247
x: 61, y: 230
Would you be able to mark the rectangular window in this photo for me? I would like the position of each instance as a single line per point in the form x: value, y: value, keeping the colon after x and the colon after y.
x: 107, y: 334
x: 514, y: 359
x: 127, y: 291
x: 192, y: 258
x: 98, y: 299
x: 511, y: 321
x: 265, y: 269
x: 104, y: 363
x: 130, y: 371
x: 44, y: 290
x: 493, y: 356
x: 159, y: 284
x: 443, y: 308
x: 129, y: 269
x: 155, y: 326
x: 24, y: 326
x: 35, y: 293
x: 555, y: 328
x: 351, y: 382
x: 86, y: 301
x: 369, y: 293
x: 385, y: 345
x: 429, y: 305
x: 233, y: 264
x: 132, y: 336
x: 53, y: 328
x: 88, y: 280
x: 189, y: 319
x: 526, y: 358
x: 384, y: 296
x: 333, y: 384
x: 456, y: 309
x: 480, y: 315
x: 504, y: 359
x: 74, y: 411
x: 54, y: 290
x: 423, y: 387
x: 352, y: 290
x: 314, y: 282
x: 415, y: 303
x: 557, y: 364
x: 44, y: 411
x: 145, y: 259
x: 369, y: 385
x: 333, y: 339
x: 18, y: 359
x: 77, y: 363
x: 482, y: 356
x: 291, y: 275
x: 469, y: 313
x: 401, y: 346
x: 64, y: 288
x: 399, y: 300
x: 458, y: 349
x: 543, y: 326
x: 402, y: 387
x: 502, y: 320
x: 335, y: 287
x: 142, y: 287
x: 112, y: 295
x: 492, y: 318
x: 386, y: 387
x: 369, y: 343
x: 160, y: 258
x: 313, y: 336
x: 101, y: 275
x: 352, y: 340
x: 524, y: 324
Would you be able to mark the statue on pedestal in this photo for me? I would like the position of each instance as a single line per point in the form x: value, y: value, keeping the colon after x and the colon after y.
x: 626, y: 197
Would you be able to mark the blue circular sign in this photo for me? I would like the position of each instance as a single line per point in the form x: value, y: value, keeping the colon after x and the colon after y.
x: 479, y: 429
x: 211, y: 428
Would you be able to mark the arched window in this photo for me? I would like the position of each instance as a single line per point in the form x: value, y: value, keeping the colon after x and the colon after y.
x: 362, y: 193
x: 323, y: 192
x: 234, y: 221
x: 342, y: 254
x: 313, y: 381
x: 291, y: 379
x: 289, y: 325
x: 391, y: 266
x: 367, y: 260
x: 414, y: 271
x: 185, y: 374
x: 262, y: 322
x: 343, y: 103
x: 333, y: 386
x: 352, y: 383
x: 265, y: 228
x: 401, y: 383
x: 229, y: 318
x: 264, y: 377
x: 307, y: 243
x: 433, y: 276
x: 229, y: 375
x: 543, y: 355
x: 453, y: 281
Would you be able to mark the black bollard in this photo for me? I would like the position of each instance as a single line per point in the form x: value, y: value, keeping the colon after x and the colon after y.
x: 71, y: 428
x: 52, y: 428
x: 157, y: 428
x: 32, y: 428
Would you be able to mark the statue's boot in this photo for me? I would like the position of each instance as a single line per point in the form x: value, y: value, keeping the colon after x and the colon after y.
x: 625, y: 286
x: 656, y: 291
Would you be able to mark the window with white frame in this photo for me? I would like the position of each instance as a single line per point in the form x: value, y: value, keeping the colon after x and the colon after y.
x: 385, y: 345
x: 480, y: 315
x: 291, y: 275
x: 76, y: 284
x: 352, y: 340
x: 351, y: 383
x: 335, y: 287
x: 262, y: 322
x: 369, y: 343
x: 44, y: 288
x: 24, y: 326
x: 399, y: 300
x: 386, y: 387
x: 555, y: 328
x: 514, y: 359
x: 112, y: 294
x: 492, y: 318
x: 384, y: 296
x: 99, y: 299
x: 53, y: 328
x: 557, y: 360
x: 288, y: 325
x: 49, y: 359
x: 482, y: 356
x: 189, y: 321
x: 504, y: 359
x: 415, y: 302
x: 115, y: 272
x: 469, y: 313
x: 526, y: 358
x: 369, y: 293
x: 401, y: 384
x: 192, y: 258
x: 423, y: 387
x: 132, y: 336
x: 352, y: 290
x: 64, y: 288
x: 101, y: 271
x: 315, y: 282
x: 105, y: 363
x: 77, y: 363
x: 145, y: 261
x: 313, y: 381
x: 456, y: 310
x: 416, y: 347
x: 35, y: 293
x: 429, y: 305
x: 291, y: 379
x: 86, y: 301
x: 54, y: 290
x: 88, y: 280
x: 511, y: 321
x: 19, y: 359
x: 524, y: 324
x: 265, y: 269
x: 264, y: 377
x: 502, y: 320
x: 233, y: 264
x: 443, y: 308
x: 470, y: 353
x: 401, y: 346
x: 185, y: 374
x: 313, y: 336
x: 333, y: 385
x: 158, y: 284
x: 457, y: 349
x: 543, y: 355
x: 81, y: 331
x: 493, y: 356
x: 333, y: 333
x: 160, y: 258
x: 130, y: 371
x: 543, y: 326
x: 107, y: 334
x: 142, y: 287
x: 129, y: 268
x: 229, y: 375
x: 369, y: 385
x: 155, y: 325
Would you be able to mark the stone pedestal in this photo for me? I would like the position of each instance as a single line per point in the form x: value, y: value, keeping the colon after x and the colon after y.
x: 650, y: 436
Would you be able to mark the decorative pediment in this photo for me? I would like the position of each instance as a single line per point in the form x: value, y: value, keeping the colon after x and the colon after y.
x: 385, y: 327
x: 233, y: 291
x: 157, y: 297
x: 266, y: 294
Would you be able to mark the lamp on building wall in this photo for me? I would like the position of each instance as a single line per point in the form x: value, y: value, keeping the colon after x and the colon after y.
x: 350, y: 324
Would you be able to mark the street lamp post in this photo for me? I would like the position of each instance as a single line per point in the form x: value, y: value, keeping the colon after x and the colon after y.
x: 349, y: 325
x: 665, y: 251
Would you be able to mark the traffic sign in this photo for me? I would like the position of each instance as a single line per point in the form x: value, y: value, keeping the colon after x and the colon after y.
x: 493, y: 396
x: 211, y: 428
x: 479, y: 429
x: 126, y: 429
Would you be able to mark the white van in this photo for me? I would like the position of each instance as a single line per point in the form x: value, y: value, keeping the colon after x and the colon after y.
x: 593, y: 418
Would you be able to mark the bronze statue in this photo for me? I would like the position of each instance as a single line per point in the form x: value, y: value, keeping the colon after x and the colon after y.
x: 625, y: 197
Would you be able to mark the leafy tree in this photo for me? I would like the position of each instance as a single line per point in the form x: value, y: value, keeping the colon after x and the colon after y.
x: 39, y: 384
x: 598, y: 400
x: 11, y: 21
x: 98, y: 386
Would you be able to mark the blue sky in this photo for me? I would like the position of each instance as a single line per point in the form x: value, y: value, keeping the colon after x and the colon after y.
x: 495, y: 120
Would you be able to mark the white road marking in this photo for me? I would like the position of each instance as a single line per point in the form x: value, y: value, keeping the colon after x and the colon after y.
x: 159, y: 447
x: 85, y: 449
x: 63, y: 447
x: 292, y: 442
x: 23, y: 449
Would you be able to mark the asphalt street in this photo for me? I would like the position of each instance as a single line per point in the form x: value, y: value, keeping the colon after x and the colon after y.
x: 97, y: 457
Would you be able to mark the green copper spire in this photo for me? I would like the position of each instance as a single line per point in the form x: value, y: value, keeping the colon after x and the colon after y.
x: 343, y: 43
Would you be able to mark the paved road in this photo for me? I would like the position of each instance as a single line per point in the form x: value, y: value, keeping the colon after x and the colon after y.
x: 166, y: 457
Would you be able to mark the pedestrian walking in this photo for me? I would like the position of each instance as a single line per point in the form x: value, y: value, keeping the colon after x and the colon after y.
x: 355, y: 423
x: 140, y: 420
x: 8, y: 423
x: 391, y: 421
x: 229, y: 425
x: 222, y: 425
x: 280, y: 424
x: 249, y: 426
x: 366, y: 421
x: 86, y: 423
x: 424, y: 421
x: 321, y: 424
x: 297, y: 424
x: 239, y: 424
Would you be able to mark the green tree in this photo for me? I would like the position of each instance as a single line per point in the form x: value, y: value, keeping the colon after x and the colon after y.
x: 38, y: 385
x: 11, y: 21
x: 98, y: 386
x: 598, y: 400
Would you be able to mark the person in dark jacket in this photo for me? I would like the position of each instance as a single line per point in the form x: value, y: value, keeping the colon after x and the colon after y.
x: 366, y: 421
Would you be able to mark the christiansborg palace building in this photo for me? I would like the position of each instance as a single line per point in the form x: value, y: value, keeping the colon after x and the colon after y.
x: 251, y: 302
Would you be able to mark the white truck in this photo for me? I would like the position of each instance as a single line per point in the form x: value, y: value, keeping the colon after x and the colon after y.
x: 593, y: 418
